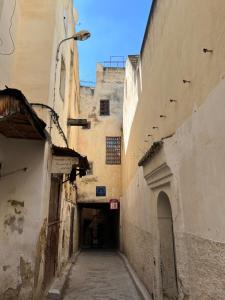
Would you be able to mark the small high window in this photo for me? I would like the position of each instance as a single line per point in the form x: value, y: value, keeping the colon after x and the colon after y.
x: 113, y: 150
x: 62, y: 86
x: 104, y: 108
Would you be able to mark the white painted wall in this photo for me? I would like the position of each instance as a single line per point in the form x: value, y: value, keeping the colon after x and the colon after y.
x: 20, y: 225
x: 196, y: 156
x: 130, y: 102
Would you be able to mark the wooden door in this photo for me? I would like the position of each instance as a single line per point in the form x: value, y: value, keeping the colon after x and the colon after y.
x: 71, y: 231
x: 51, y: 253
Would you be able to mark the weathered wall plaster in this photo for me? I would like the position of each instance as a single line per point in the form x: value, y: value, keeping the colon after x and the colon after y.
x: 199, y: 240
x: 20, y: 215
x: 194, y: 155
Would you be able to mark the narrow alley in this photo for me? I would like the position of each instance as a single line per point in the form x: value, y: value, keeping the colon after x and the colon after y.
x: 112, y: 150
x: 100, y: 275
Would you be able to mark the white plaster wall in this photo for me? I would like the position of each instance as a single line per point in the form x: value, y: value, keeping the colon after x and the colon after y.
x: 130, y: 99
x: 20, y: 225
x: 196, y: 156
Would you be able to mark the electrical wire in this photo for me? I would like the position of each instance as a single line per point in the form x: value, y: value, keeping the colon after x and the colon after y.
x: 54, y: 118
x: 10, y: 33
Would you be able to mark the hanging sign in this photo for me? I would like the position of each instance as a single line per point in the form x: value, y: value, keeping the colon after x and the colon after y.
x: 114, y: 204
x: 63, y: 164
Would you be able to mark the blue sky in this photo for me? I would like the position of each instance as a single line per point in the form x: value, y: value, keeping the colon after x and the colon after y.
x: 117, y: 29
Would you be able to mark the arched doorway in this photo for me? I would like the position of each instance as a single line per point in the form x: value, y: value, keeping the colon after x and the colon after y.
x: 167, y: 251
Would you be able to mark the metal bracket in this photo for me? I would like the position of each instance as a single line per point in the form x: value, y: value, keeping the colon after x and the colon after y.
x: 12, y: 172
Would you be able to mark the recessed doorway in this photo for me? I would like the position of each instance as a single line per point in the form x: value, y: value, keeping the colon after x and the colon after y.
x: 167, y: 249
x: 99, y: 226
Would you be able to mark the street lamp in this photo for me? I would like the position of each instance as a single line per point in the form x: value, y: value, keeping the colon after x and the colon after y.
x: 78, y: 36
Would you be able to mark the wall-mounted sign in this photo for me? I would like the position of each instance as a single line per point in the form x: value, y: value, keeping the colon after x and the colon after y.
x: 63, y: 164
x: 114, y: 204
x: 100, y: 191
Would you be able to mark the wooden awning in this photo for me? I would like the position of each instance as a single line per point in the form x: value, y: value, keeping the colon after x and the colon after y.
x: 67, y: 152
x: 64, y: 151
x: 18, y: 119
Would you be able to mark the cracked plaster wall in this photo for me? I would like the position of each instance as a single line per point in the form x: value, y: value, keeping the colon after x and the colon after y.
x: 21, y: 215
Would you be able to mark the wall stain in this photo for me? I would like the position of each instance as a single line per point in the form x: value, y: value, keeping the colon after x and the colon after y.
x: 17, y: 205
x: 5, y: 268
x: 15, y: 224
x: 183, y: 290
x: 82, y: 195
x: 89, y: 180
x: 26, y: 273
x: 93, y: 116
x: 40, y: 250
x: 12, y: 294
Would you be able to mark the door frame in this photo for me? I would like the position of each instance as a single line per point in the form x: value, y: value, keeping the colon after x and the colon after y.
x: 160, y: 178
x: 53, y: 230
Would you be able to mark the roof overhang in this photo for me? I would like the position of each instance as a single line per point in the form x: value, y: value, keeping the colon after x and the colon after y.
x: 18, y: 119
x: 64, y: 151
x: 150, y: 154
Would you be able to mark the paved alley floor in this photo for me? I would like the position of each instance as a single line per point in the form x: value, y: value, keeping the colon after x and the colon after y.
x: 100, y: 275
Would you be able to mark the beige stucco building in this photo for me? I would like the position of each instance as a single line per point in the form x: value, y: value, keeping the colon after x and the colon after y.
x: 102, y: 107
x: 172, y: 204
x: 37, y: 210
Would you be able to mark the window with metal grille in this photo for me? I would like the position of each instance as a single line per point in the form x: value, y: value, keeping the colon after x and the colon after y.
x: 104, y: 108
x: 113, y: 150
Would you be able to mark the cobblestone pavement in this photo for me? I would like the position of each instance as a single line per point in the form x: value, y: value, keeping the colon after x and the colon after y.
x: 100, y: 275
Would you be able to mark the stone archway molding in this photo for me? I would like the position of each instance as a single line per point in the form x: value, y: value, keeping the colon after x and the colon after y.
x: 159, y: 176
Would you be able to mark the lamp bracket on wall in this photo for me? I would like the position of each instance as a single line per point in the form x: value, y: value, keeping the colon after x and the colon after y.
x: 78, y: 122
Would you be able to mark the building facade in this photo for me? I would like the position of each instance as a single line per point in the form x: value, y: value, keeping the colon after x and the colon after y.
x: 101, y: 141
x: 38, y: 207
x: 172, y: 204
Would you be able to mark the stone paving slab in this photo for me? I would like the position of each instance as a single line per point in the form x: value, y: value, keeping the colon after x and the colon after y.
x: 100, y: 275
